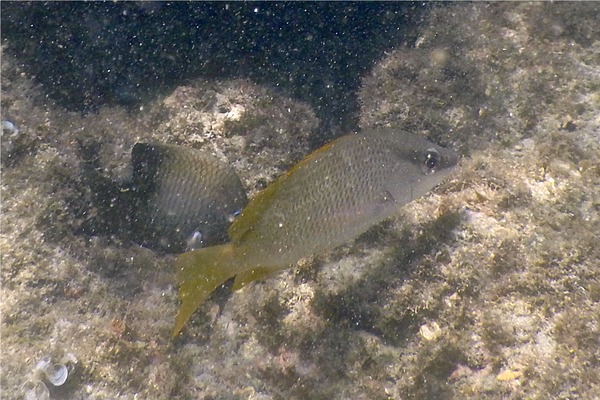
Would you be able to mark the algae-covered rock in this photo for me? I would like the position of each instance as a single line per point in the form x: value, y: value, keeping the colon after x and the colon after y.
x: 507, y: 85
x: 73, y: 278
x: 487, y: 288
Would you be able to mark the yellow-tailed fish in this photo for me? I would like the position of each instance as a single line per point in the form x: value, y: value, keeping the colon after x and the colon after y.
x: 329, y: 198
x: 187, y: 197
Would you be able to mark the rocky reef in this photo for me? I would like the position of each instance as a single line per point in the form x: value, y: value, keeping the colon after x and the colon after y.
x: 488, y: 288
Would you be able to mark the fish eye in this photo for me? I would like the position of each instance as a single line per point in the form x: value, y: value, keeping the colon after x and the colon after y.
x: 430, y: 161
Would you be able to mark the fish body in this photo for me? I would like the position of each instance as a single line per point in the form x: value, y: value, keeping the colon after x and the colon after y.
x: 189, y: 196
x: 329, y: 198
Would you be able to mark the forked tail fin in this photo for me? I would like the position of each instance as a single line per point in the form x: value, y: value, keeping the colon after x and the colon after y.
x: 199, y: 273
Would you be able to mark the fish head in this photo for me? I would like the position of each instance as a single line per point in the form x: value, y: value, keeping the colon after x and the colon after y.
x: 420, y: 166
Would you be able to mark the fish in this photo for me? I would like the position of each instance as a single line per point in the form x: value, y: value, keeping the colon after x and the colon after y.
x: 329, y: 198
x: 185, y: 198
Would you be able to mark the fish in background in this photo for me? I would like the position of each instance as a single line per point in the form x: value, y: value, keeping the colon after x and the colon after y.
x: 329, y: 198
x: 186, y: 198
x: 178, y: 198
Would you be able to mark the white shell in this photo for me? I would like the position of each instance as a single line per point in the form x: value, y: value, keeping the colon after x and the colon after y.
x: 57, y: 374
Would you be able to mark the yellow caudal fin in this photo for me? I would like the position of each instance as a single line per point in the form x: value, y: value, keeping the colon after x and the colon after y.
x: 199, y: 273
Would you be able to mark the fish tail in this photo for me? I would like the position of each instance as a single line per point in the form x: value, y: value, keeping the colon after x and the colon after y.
x: 199, y: 273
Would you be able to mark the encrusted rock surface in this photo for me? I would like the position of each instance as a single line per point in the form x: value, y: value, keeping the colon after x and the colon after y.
x: 489, y: 288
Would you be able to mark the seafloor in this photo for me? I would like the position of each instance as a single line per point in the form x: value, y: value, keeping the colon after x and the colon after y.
x: 488, y: 288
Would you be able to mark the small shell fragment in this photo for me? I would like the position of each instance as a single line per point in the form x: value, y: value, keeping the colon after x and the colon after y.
x: 508, y: 375
x: 430, y: 331
x: 55, y: 373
